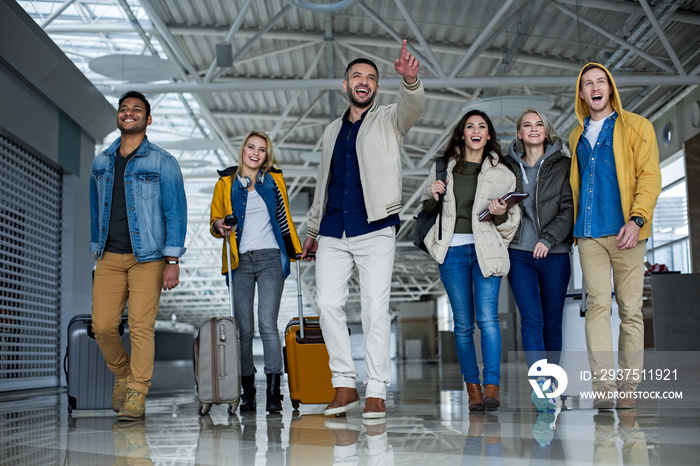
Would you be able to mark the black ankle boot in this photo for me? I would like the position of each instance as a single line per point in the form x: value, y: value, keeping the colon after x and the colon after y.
x: 248, y: 395
x: 274, y: 397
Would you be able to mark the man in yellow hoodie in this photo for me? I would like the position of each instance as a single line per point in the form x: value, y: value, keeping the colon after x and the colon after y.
x: 616, y: 179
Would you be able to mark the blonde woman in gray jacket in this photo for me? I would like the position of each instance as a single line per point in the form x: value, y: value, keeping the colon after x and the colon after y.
x: 473, y: 255
x: 539, y: 253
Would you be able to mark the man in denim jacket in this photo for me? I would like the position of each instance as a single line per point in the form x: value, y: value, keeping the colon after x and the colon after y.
x: 138, y: 220
x: 615, y: 181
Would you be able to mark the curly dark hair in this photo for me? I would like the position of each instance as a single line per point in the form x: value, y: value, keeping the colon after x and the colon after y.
x: 136, y: 95
x: 456, y: 147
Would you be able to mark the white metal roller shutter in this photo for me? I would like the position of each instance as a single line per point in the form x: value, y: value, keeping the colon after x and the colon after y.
x: 30, y: 265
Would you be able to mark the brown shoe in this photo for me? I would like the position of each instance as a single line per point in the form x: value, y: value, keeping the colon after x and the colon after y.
x: 625, y: 397
x: 375, y: 426
x: 134, y: 408
x: 119, y: 394
x: 476, y: 399
x: 345, y: 433
x: 604, y: 398
x: 476, y: 424
x: 374, y: 408
x: 491, y: 398
x: 345, y: 399
x: 492, y: 429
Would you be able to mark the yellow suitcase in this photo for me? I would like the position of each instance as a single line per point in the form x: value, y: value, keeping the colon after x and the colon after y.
x: 306, y: 363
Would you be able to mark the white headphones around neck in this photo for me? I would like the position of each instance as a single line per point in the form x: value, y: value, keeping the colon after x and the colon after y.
x: 246, y: 181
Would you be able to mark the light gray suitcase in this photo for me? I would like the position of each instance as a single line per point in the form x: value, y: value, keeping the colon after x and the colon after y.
x: 217, y: 359
x: 217, y: 364
x: 220, y: 443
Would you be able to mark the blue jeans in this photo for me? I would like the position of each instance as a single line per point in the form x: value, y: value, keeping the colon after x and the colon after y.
x: 539, y: 287
x: 466, y: 286
x: 263, y: 267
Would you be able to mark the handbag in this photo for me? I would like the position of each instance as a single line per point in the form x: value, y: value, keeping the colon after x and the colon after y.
x: 425, y: 221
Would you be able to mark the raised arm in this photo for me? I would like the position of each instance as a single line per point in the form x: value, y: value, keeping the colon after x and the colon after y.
x: 407, y: 65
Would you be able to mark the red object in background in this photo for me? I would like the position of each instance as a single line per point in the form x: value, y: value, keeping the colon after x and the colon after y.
x: 655, y: 268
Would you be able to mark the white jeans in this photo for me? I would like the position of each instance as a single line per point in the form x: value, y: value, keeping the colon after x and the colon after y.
x: 373, y: 254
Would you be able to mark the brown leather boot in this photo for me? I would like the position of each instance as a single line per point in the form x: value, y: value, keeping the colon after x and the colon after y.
x: 491, y: 398
x: 476, y: 399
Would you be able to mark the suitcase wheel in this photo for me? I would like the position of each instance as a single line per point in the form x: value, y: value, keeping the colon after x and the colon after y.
x: 204, y: 409
x: 233, y: 407
x: 295, y: 404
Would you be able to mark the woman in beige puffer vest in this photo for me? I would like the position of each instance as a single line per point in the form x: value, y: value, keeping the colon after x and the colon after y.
x: 473, y: 255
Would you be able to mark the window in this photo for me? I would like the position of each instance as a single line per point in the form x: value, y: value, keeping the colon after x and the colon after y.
x: 669, y: 242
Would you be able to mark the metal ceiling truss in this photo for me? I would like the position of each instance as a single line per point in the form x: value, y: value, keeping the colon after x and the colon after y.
x: 505, y: 44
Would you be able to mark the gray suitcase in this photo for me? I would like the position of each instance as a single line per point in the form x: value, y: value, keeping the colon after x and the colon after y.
x: 89, y: 382
x: 217, y: 359
x: 220, y: 443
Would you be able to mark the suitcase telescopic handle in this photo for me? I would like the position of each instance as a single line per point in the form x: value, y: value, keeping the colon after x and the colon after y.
x: 230, y: 221
x: 227, y: 241
x: 300, y: 303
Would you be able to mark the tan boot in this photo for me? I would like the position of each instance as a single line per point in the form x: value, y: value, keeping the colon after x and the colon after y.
x: 492, y: 400
x: 476, y: 399
x: 130, y: 446
x: 119, y: 394
x: 626, y: 398
x: 604, y: 398
x: 134, y: 408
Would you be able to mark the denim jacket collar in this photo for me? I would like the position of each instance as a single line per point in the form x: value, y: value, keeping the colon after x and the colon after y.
x: 612, y: 117
x: 114, y: 148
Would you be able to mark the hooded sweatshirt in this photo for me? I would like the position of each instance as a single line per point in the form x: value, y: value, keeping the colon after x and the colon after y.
x: 548, y: 211
x: 636, y: 158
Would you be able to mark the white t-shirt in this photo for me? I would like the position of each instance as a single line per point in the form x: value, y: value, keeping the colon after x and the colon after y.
x: 460, y: 239
x: 594, y: 128
x: 257, y: 229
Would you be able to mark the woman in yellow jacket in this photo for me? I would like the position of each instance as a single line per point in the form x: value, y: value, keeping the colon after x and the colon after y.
x: 265, y: 243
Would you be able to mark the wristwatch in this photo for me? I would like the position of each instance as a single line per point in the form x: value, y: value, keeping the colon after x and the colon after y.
x: 638, y: 220
x: 175, y: 262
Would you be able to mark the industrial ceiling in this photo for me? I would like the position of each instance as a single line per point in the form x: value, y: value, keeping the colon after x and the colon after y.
x: 216, y: 69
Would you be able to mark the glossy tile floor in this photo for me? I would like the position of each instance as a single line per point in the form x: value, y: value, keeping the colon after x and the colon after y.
x: 427, y: 423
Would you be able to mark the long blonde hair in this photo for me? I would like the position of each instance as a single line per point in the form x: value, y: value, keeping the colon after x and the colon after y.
x: 269, y: 160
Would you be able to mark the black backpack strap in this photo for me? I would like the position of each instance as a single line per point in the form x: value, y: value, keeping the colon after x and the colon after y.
x: 440, y: 174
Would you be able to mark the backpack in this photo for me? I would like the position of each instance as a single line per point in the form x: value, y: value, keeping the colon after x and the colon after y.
x: 424, y: 220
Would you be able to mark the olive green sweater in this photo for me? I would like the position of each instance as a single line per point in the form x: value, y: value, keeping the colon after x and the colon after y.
x: 465, y: 176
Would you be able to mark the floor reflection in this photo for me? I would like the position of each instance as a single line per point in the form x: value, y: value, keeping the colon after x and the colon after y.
x: 427, y: 423
x: 483, y: 439
x: 634, y: 444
